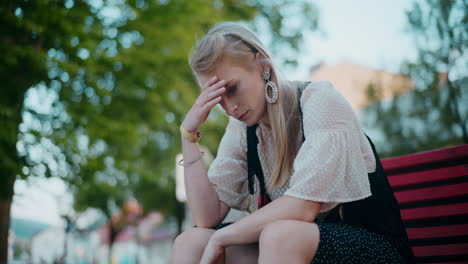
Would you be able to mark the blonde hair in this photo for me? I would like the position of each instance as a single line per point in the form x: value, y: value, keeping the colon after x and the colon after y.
x: 233, y: 41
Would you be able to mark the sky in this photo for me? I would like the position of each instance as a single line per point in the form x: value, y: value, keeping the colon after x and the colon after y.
x: 370, y: 33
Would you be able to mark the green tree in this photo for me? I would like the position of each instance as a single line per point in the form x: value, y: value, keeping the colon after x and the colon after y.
x: 113, y: 83
x: 29, y: 30
x: 433, y: 113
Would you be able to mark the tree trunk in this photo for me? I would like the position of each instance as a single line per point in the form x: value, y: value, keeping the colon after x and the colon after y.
x: 5, y: 205
x: 10, y: 162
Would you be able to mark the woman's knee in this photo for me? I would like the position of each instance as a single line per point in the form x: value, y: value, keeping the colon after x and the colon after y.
x: 274, y: 232
x: 289, y: 236
x: 287, y: 230
x: 191, y: 242
x: 193, y: 237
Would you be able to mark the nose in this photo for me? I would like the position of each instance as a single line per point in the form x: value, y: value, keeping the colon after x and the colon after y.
x: 229, y: 106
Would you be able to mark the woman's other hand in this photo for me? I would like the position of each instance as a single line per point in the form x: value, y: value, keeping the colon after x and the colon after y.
x: 214, y: 251
x: 209, y: 97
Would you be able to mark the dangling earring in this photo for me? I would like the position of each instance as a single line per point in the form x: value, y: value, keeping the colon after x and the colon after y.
x: 274, y: 89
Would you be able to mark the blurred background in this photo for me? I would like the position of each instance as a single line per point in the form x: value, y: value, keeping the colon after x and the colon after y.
x: 93, y: 92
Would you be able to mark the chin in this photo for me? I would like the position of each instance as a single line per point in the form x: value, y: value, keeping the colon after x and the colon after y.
x: 249, y: 123
x: 252, y: 120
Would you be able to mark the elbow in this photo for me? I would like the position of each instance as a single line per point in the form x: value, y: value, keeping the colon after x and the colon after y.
x: 210, y: 218
x: 308, y: 217
x: 204, y: 223
x: 305, y: 215
x: 309, y: 211
x: 302, y: 210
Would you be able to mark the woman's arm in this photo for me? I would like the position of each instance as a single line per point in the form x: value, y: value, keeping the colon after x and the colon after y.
x: 248, y: 229
x: 202, y: 199
x: 206, y: 208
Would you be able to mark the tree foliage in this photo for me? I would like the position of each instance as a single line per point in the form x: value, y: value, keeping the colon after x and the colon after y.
x: 94, y: 90
x: 433, y: 112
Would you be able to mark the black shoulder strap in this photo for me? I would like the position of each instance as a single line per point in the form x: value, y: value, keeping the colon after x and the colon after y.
x: 253, y: 162
x: 299, y: 94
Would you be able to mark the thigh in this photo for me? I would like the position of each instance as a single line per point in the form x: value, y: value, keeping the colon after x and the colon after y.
x: 194, y: 237
x: 288, y: 241
x: 301, y: 237
x: 342, y: 243
x: 242, y: 254
x: 188, y: 247
x: 239, y: 253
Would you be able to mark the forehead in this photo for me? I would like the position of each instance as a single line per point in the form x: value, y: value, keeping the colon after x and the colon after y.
x: 224, y: 71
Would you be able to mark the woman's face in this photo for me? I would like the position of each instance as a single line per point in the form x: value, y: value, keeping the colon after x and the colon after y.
x: 244, y: 96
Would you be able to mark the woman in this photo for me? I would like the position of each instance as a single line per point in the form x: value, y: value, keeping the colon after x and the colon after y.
x: 293, y: 155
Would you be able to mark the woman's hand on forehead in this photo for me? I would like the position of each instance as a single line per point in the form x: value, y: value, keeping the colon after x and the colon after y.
x: 209, y: 97
x: 209, y: 82
x: 214, y: 80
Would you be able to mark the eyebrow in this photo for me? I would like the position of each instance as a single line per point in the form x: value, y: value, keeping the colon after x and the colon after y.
x: 229, y: 83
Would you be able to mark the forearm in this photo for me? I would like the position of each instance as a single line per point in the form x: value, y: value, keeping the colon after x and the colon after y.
x: 202, y: 199
x: 248, y: 229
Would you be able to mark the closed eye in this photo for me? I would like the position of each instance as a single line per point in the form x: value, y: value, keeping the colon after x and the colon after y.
x: 231, y: 90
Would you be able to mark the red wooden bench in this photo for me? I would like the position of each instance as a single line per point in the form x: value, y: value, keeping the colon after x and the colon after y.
x: 432, y: 190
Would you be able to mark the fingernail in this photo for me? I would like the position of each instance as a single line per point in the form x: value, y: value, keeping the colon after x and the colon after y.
x: 214, y: 77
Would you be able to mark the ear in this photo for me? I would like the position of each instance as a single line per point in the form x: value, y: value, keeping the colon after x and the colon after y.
x: 260, y: 58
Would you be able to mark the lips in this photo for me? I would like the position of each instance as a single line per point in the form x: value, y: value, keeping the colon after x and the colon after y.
x: 241, y: 118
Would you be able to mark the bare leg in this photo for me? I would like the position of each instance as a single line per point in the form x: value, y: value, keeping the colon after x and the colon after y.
x: 242, y: 254
x: 189, y: 246
x: 289, y: 241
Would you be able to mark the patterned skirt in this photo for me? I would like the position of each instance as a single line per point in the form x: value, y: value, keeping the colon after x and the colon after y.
x: 343, y: 243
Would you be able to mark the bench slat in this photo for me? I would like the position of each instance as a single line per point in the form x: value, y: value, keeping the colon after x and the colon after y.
x: 437, y: 180
x: 434, y: 211
x: 428, y: 176
x: 441, y: 250
x: 421, y: 158
x: 432, y: 193
x: 437, y: 231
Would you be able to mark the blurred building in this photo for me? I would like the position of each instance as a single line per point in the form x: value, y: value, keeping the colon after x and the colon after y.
x: 47, y: 245
x: 353, y: 80
x: 21, y: 234
x: 149, y: 241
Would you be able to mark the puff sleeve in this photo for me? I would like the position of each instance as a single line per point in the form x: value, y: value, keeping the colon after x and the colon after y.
x: 331, y: 166
x: 228, y: 171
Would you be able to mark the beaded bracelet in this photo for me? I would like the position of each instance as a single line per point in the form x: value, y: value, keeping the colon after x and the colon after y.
x: 189, y: 136
x: 190, y: 162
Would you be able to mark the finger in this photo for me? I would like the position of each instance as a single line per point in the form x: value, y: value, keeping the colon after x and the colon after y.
x: 211, y: 81
x: 211, y: 95
x: 208, y: 96
x: 209, y: 105
x: 204, y: 260
x: 214, y: 86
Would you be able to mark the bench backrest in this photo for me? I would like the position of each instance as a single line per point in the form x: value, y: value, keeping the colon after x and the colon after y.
x: 432, y: 190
